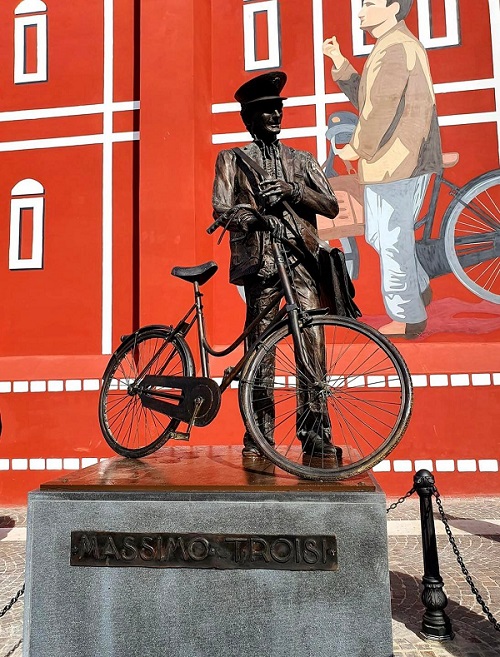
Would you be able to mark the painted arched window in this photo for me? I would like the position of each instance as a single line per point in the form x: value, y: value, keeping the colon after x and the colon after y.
x: 30, y: 42
x: 27, y: 209
x: 261, y: 27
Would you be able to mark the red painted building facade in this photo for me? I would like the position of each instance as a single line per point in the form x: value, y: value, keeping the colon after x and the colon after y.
x: 111, y: 115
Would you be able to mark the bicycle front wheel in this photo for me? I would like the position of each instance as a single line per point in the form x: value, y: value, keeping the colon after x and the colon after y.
x: 129, y: 428
x: 472, y: 236
x: 362, y: 394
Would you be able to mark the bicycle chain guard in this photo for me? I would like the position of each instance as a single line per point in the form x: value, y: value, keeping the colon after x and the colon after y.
x: 155, y: 390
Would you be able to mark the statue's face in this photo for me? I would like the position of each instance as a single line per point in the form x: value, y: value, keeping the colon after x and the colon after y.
x: 266, y: 120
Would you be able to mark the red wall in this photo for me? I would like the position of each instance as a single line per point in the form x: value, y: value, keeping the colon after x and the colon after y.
x: 179, y: 58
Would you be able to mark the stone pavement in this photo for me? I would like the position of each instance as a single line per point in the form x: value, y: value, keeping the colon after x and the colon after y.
x: 475, y: 523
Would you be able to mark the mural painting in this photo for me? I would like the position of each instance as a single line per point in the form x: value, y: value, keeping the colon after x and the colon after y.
x: 450, y: 227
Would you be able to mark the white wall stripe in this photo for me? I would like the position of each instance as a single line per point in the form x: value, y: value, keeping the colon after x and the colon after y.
x: 319, y: 79
x: 481, y: 379
x: 54, y: 464
x: 313, y: 131
x: 38, y: 386
x: 383, y: 466
x: 86, y: 462
x: 91, y: 384
x: 466, y: 465
x: 71, y: 464
x: 445, y: 465
x: 300, y: 101
x: 73, y: 110
x: 107, y: 183
x: 399, y: 465
x: 424, y: 464
x: 488, y: 465
x: 73, y: 385
x: 61, y: 142
x: 438, y: 380
x: 468, y: 119
x: 419, y: 380
x: 460, y: 380
x: 495, y: 41
x: 402, y: 466
x: 55, y: 386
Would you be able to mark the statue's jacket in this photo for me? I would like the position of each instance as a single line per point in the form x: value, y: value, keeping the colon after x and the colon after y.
x: 236, y: 185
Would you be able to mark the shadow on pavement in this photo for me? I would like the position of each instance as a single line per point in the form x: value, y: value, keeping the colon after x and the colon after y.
x: 473, y: 631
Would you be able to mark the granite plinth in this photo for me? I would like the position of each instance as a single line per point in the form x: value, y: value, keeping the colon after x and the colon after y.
x: 112, y: 612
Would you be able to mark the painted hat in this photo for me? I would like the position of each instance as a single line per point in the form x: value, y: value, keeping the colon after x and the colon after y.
x: 267, y: 86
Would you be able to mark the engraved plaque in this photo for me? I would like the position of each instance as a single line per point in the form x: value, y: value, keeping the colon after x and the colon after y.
x: 222, y: 551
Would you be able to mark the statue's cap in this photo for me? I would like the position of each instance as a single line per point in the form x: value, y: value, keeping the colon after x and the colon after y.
x: 267, y: 86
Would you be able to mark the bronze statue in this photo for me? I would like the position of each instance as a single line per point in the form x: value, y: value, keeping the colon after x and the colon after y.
x: 265, y: 187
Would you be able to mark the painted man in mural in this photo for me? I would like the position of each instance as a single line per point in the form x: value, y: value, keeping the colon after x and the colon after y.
x: 398, y: 146
x: 250, y: 208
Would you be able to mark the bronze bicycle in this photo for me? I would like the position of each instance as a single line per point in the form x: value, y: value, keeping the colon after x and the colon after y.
x: 150, y: 386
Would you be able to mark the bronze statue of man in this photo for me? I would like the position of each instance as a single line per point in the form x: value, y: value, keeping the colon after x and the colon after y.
x: 252, y: 207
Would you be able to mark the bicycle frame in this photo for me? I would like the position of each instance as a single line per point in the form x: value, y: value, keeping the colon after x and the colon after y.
x: 291, y: 310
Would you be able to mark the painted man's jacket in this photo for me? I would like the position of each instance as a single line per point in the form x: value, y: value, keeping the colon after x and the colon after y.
x: 397, y: 135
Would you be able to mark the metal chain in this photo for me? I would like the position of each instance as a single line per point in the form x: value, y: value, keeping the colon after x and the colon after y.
x: 456, y: 551
x: 12, y: 602
x: 401, y: 500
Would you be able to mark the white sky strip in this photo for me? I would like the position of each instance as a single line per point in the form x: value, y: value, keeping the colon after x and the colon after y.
x: 107, y: 183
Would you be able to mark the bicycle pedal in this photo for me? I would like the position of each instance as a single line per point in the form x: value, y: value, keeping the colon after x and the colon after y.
x: 179, y: 435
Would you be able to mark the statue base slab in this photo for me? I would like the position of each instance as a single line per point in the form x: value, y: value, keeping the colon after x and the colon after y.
x: 94, y: 536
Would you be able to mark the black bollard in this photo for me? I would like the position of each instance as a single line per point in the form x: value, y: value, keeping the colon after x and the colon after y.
x: 436, y: 626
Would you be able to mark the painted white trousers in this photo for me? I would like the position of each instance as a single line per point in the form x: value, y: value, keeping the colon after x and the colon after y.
x: 391, y: 210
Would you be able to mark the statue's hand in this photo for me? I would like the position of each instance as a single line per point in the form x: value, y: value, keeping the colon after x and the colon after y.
x: 273, y: 191
x: 275, y: 226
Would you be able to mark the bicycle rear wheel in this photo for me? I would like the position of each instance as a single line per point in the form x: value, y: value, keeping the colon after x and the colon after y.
x: 129, y: 428
x: 472, y: 236
x: 364, y: 387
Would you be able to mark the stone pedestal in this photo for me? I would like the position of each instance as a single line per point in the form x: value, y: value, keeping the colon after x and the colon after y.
x: 75, y: 610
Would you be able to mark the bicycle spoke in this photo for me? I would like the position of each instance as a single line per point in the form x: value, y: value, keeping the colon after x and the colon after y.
x: 130, y: 427
x: 359, y: 395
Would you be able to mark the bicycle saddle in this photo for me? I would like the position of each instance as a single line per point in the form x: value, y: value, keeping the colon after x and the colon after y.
x: 199, y: 274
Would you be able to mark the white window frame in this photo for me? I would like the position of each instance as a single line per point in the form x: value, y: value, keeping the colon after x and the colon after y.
x: 20, y: 25
x: 17, y: 205
x: 452, y: 37
x: 250, y: 10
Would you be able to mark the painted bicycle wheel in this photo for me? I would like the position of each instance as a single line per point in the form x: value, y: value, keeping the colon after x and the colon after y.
x: 348, y: 417
x: 472, y: 236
